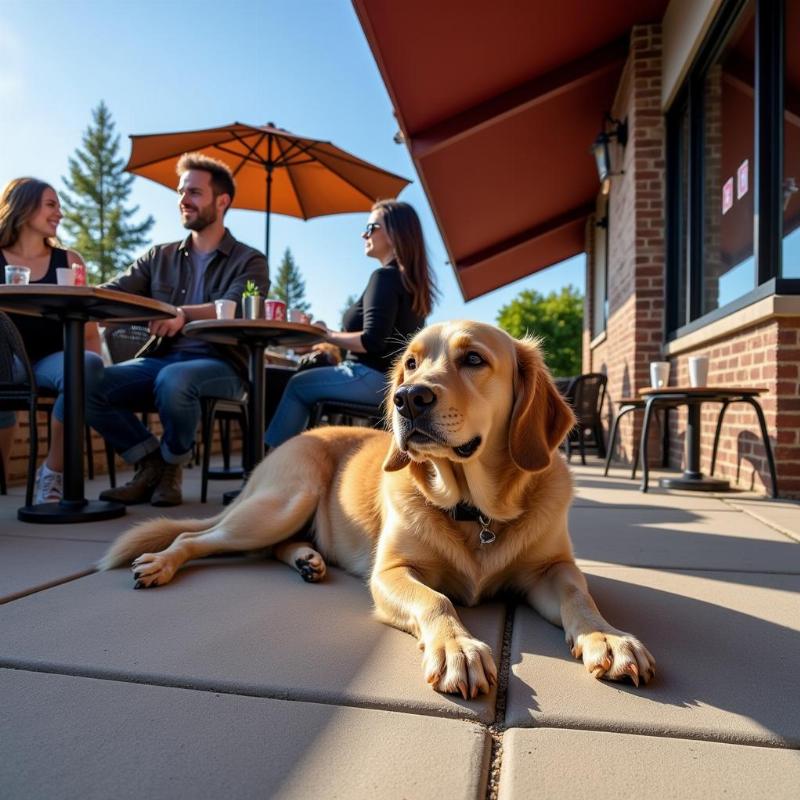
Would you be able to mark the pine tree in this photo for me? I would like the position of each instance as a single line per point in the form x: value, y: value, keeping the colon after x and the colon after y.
x: 95, y: 216
x: 289, y: 285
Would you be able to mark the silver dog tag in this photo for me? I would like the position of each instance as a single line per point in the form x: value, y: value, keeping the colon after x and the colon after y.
x: 486, y: 535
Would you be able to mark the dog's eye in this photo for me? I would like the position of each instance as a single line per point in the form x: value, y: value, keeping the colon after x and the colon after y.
x: 473, y: 359
x: 411, y: 362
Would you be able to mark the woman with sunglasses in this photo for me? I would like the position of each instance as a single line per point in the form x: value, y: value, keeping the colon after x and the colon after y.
x: 394, y: 305
x: 30, y: 213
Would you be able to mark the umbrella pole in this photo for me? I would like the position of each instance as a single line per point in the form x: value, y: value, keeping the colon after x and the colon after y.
x: 269, y: 205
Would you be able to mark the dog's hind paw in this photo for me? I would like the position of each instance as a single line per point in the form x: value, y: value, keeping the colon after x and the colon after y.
x: 312, y: 568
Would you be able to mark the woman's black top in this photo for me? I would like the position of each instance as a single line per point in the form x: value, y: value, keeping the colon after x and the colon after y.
x: 41, y: 336
x: 385, y: 316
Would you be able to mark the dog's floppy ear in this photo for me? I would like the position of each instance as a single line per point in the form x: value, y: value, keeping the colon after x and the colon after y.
x: 395, y: 459
x: 540, y: 418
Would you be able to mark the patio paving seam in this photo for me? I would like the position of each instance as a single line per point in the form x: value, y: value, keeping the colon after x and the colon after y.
x: 221, y: 688
x: 498, y: 728
x: 9, y: 598
x: 744, y: 739
x: 590, y: 562
x: 794, y: 537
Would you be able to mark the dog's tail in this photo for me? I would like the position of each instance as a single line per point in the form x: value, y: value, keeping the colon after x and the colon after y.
x: 151, y: 536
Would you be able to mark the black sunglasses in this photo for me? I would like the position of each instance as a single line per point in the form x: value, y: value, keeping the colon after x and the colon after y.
x: 371, y: 227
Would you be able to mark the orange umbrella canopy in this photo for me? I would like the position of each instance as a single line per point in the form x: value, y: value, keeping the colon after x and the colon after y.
x: 274, y: 170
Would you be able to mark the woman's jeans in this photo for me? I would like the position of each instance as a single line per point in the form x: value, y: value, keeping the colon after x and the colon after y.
x: 173, y: 384
x: 348, y: 381
x: 49, y: 374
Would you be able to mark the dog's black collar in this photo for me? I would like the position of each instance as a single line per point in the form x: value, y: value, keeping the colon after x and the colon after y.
x: 464, y: 512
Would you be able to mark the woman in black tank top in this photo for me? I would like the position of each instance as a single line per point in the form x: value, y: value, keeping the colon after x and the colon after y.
x: 398, y: 297
x: 29, y: 216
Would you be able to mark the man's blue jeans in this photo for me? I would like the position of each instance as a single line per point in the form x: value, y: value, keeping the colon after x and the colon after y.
x: 49, y: 374
x: 175, y: 385
x: 347, y: 381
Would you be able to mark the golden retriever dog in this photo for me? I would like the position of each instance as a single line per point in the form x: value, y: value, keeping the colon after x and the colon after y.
x: 465, y: 499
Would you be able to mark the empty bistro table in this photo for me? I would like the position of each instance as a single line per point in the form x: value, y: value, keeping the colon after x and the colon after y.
x: 693, y: 397
x: 75, y: 306
x: 255, y: 335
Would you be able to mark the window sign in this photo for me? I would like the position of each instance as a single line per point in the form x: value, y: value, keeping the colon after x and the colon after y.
x: 742, y: 179
x: 727, y: 195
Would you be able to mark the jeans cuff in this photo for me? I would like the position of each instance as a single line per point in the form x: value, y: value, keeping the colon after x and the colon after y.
x: 133, y: 455
x: 171, y: 458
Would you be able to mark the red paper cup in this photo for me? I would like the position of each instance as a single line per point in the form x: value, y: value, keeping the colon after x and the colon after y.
x: 275, y: 310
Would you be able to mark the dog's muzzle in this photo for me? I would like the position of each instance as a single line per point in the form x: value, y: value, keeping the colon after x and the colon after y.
x: 414, y: 400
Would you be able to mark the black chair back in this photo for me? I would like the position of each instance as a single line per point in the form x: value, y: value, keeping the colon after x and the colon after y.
x: 125, y: 341
x: 12, y: 351
x: 586, y: 394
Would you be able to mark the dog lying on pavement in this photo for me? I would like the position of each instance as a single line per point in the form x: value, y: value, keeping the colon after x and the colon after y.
x: 463, y: 500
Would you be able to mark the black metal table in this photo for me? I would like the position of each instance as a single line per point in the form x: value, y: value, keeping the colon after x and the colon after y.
x: 75, y: 306
x: 693, y: 397
x: 255, y: 335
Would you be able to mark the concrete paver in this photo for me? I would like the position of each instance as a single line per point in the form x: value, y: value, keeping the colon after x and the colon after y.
x: 726, y: 645
x: 784, y: 515
x: 236, y: 625
x: 30, y: 564
x: 558, y: 763
x: 681, y: 538
x: 85, y: 739
x: 239, y: 679
x: 108, y: 530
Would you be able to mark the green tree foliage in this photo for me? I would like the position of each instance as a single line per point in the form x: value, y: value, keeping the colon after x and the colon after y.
x: 556, y: 318
x: 289, y: 285
x: 95, y: 216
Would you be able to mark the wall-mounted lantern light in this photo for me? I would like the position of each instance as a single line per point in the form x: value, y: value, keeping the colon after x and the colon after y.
x: 602, y: 151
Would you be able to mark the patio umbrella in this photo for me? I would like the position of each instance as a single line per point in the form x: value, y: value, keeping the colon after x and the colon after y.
x: 275, y: 171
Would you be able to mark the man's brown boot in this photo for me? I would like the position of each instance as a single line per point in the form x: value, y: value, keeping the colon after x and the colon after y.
x: 168, y: 491
x: 141, y: 487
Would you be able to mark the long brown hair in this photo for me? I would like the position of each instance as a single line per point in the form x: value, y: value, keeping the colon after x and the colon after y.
x: 20, y: 199
x: 402, y: 226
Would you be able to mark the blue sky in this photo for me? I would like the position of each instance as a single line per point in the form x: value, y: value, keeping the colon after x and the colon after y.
x: 171, y: 65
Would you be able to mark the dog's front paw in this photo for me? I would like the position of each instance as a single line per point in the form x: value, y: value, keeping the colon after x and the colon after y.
x: 615, y: 656
x: 459, y: 665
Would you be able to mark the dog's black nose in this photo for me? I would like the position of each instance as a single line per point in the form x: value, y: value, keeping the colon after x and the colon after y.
x: 411, y: 401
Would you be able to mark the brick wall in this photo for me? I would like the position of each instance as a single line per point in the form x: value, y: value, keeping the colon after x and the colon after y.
x: 766, y: 354
x: 634, y: 332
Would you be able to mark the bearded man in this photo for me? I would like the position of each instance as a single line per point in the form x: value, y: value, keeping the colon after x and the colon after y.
x: 175, y: 371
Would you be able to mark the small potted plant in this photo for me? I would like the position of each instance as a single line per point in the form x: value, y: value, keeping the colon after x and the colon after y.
x: 252, y: 304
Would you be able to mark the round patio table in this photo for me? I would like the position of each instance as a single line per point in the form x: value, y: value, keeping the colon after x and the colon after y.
x: 75, y: 306
x: 255, y: 335
x: 693, y: 397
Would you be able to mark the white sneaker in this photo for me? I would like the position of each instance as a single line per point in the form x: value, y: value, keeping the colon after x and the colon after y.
x: 49, y: 486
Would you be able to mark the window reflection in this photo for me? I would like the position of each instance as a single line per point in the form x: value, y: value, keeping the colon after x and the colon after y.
x: 728, y: 122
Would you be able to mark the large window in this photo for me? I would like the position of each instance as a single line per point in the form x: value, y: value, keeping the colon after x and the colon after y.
x: 728, y: 133
x: 730, y: 200
x: 600, y: 271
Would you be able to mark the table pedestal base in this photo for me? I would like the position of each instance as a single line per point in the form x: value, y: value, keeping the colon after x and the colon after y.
x: 698, y: 484
x: 56, y: 513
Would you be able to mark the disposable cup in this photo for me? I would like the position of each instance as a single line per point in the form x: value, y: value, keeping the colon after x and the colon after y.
x: 659, y: 374
x: 226, y: 309
x: 295, y: 315
x: 17, y: 275
x: 65, y: 276
x: 275, y: 310
x: 698, y: 370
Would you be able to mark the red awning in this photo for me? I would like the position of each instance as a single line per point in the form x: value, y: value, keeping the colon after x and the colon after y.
x: 499, y: 103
